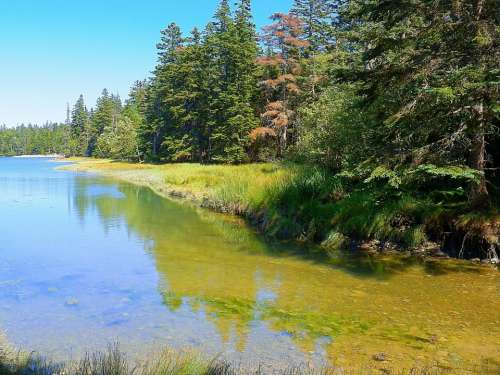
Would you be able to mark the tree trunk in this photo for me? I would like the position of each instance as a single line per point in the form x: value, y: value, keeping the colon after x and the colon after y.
x: 155, y: 145
x: 479, y: 191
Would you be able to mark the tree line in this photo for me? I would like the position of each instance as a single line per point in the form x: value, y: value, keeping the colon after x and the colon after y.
x: 380, y: 91
x: 34, y: 140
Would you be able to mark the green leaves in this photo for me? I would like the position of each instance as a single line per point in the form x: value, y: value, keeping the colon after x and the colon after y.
x: 458, y: 173
x: 384, y: 173
x: 422, y: 174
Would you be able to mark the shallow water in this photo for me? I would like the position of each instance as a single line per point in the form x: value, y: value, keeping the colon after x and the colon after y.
x: 86, y: 261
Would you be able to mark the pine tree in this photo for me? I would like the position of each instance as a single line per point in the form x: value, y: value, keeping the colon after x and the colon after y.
x: 184, y: 103
x: 244, y: 118
x: 171, y: 40
x: 220, y: 57
x: 211, y: 90
x: 137, y: 96
x: 68, y: 115
x: 240, y: 44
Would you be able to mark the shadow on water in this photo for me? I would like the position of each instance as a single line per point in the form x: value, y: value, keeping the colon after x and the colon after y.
x: 382, y: 267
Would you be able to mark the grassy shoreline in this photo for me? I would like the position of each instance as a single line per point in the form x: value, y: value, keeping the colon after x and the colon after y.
x: 300, y: 203
x: 170, y: 362
x: 193, y: 182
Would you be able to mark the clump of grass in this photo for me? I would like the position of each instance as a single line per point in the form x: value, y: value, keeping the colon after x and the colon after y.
x: 372, y: 215
x: 111, y: 362
x: 29, y: 364
x: 301, y: 206
x: 335, y: 242
x: 169, y: 362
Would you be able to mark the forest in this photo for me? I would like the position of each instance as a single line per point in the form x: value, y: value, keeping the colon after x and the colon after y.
x: 391, y: 107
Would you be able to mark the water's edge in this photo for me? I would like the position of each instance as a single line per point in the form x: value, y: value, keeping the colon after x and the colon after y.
x: 156, y: 184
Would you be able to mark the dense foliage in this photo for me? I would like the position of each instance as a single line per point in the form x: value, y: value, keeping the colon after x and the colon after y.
x: 35, y: 140
x: 397, y: 101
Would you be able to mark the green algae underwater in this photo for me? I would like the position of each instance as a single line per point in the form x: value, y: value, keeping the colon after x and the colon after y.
x: 109, y: 261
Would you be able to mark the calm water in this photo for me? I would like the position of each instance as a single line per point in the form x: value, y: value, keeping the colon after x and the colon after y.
x: 86, y: 261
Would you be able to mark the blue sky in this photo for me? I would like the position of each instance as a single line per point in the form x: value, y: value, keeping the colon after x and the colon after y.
x: 53, y: 50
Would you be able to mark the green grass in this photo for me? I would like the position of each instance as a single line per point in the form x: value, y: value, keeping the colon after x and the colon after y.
x: 110, y: 362
x: 168, y: 362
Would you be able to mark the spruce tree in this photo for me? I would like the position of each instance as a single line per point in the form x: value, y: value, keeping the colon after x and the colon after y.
x: 429, y: 74
x: 79, y: 126
x: 79, y: 117
x: 231, y: 53
x: 171, y: 39
x: 221, y: 56
x: 153, y: 130
x: 105, y: 115
x: 244, y: 119
x: 211, y: 90
x: 320, y: 18
x: 137, y: 96
x: 184, y: 103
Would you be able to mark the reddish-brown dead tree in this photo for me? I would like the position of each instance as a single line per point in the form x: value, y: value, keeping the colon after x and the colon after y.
x: 285, y: 47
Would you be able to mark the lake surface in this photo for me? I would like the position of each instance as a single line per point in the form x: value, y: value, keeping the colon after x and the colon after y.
x: 86, y: 261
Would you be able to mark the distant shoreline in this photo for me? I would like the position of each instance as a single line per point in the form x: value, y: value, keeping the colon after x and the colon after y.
x: 39, y: 156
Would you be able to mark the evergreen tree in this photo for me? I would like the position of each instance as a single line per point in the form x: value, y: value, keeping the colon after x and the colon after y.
x: 50, y: 138
x: 429, y: 73
x: 137, y: 96
x: 79, y: 126
x: 244, y: 118
x: 171, y: 40
x: 153, y: 131
x: 219, y: 43
x: 68, y: 115
x: 105, y: 114
x: 200, y: 101
x: 231, y: 51
x: 185, y: 103
x: 320, y: 18
x: 79, y: 117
